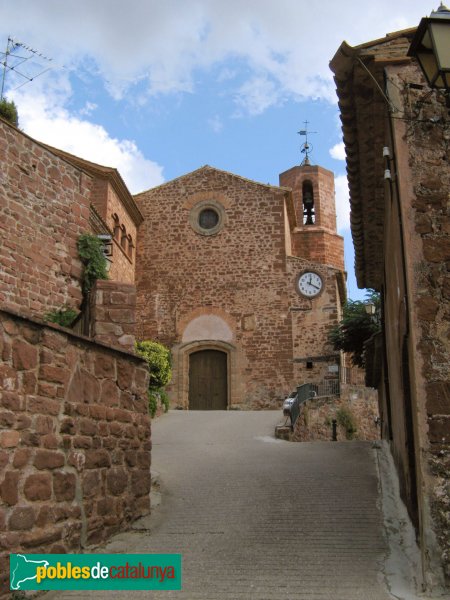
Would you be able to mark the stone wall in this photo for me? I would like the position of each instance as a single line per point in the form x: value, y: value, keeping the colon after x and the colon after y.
x: 316, y: 416
x: 422, y: 150
x: 113, y: 319
x: 44, y: 207
x: 74, y: 440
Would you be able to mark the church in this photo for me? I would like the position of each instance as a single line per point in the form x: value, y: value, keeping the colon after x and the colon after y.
x: 242, y: 281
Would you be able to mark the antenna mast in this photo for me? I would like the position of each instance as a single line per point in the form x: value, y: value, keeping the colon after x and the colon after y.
x: 11, y: 46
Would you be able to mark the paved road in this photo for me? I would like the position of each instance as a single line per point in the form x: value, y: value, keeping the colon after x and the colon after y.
x: 259, y: 519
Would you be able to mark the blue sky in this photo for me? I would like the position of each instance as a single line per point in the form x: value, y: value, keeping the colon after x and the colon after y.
x: 158, y: 88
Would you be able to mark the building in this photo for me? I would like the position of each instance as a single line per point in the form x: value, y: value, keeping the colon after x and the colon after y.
x: 396, y: 133
x: 74, y: 427
x: 243, y: 282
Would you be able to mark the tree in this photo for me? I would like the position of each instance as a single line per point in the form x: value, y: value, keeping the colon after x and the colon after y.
x: 8, y: 110
x: 356, y: 327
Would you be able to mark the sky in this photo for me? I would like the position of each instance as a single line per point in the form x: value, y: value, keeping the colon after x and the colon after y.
x: 158, y: 88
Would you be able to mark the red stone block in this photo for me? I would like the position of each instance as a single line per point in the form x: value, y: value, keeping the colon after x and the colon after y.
x: 23, y: 422
x: 96, y: 459
x: 7, y: 419
x: 38, y: 487
x: 42, y: 405
x: 84, y: 387
x: 9, y: 489
x: 97, y: 412
x: 28, y: 382
x: 64, y: 486
x: 21, y: 457
x: 22, y: 518
x: 54, y: 340
x: 39, y: 538
x: 54, y: 374
x: 140, y: 483
x: 25, y: 356
x: 47, y: 459
x: 91, y: 483
x: 109, y: 393
x: 87, y: 427
x: 116, y: 481
x: 105, y: 366
x: 44, y: 424
x: 82, y: 441
x: 51, y: 441
x: 9, y: 439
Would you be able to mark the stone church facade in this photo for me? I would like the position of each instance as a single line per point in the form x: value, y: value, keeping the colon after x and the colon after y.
x: 243, y: 282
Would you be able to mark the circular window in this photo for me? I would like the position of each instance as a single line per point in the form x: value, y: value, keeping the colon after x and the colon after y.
x: 207, y: 217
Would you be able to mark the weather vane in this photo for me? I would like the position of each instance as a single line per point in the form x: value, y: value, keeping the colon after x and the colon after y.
x: 306, y: 147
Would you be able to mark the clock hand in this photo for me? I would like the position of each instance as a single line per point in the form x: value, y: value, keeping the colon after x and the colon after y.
x: 314, y: 286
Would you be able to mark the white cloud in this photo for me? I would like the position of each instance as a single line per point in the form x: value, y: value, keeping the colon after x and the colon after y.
x: 283, y: 47
x: 338, y: 151
x: 215, y: 124
x: 256, y: 95
x: 44, y: 117
x: 88, y: 109
x: 342, y: 203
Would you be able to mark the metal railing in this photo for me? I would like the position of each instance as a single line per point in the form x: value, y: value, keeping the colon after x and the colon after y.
x: 307, y: 391
x: 352, y: 375
x: 291, y: 406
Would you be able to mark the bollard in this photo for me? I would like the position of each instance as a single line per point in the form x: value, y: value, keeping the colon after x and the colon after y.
x: 334, y: 425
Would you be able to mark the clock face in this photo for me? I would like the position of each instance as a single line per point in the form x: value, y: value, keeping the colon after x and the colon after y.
x: 310, y: 284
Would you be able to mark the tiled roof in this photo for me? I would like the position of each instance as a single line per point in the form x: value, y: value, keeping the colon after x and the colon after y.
x: 359, y: 77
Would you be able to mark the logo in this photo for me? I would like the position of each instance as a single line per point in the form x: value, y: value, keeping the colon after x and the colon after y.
x: 95, y: 571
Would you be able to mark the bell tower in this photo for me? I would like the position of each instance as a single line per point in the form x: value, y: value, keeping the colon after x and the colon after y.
x: 315, y: 237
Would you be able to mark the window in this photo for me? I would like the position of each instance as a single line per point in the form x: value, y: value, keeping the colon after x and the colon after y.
x: 130, y: 246
x: 116, y: 230
x: 308, y: 203
x: 207, y: 217
x: 123, y: 237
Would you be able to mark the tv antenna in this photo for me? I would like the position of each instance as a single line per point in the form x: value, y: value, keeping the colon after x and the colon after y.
x: 306, y: 147
x: 18, y: 54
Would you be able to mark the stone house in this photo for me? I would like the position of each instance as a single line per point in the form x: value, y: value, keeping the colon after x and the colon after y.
x: 243, y: 282
x: 74, y: 424
x: 396, y: 134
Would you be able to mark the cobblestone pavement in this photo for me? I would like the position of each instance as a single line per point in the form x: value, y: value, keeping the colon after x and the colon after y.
x: 256, y: 518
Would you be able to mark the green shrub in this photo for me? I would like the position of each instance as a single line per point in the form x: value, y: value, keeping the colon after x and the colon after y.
x: 64, y: 316
x: 158, y: 360
x: 346, y: 419
x: 90, y: 250
x: 152, y: 402
x: 8, y: 110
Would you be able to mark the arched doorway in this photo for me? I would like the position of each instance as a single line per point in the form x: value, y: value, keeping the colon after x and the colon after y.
x: 208, y: 380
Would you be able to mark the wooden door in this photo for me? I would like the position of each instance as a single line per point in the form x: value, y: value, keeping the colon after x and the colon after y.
x: 208, y: 380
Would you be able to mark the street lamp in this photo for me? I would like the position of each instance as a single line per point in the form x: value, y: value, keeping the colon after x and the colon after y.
x: 370, y: 308
x: 431, y: 47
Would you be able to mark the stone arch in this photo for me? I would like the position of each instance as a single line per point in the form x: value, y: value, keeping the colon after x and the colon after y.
x: 207, y: 323
x: 207, y: 327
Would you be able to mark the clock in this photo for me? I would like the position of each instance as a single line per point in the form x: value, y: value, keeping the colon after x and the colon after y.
x: 309, y: 284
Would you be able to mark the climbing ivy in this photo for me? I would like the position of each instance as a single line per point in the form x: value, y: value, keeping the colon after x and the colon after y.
x: 90, y: 250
